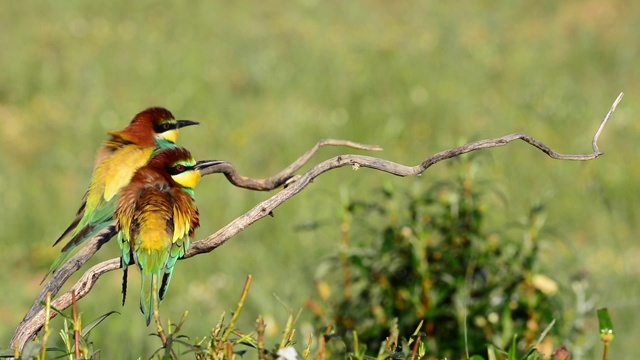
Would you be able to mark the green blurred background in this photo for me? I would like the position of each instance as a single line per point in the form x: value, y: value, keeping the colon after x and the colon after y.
x: 267, y: 80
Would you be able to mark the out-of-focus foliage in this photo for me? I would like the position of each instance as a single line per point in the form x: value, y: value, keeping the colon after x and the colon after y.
x: 267, y: 80
x: 429, y: 259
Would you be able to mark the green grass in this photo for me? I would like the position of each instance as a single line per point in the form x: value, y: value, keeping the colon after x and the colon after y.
x: 267, y: 81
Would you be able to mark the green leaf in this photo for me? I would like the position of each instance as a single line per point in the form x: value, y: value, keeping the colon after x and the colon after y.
x: 57, y: 349
x: 87, y: 329
x: 491, y: 353
x: 31, y: 350
x: 4, y: 353
x: 59, y: 312
x: 512, y: 349
x: 532, y: 353
x: 545, y: 332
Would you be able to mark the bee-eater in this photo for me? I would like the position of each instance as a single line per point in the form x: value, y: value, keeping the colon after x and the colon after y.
x: 156, y: 219
x: 118, y: 159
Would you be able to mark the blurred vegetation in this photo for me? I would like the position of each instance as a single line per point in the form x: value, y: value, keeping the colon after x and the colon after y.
x: 414, y: 77
x: 406, y: 259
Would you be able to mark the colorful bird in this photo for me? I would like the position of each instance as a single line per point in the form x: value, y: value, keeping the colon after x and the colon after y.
x: 116, y: 162
x: 156, y: 219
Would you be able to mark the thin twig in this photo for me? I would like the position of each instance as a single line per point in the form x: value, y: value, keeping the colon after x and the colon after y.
x: 416, y: 346
x: 34, y: 320
x: 594, y: 143
x: 239, y: 307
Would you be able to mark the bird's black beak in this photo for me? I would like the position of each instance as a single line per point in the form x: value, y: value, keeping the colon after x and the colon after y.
x: 183, y: 123
x: 203, y: 164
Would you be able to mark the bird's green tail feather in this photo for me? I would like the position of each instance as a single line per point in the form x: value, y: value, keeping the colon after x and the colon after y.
x: 147, y: 294
x: 155, y: 278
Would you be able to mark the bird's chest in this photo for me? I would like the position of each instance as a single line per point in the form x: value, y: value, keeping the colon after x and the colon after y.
x: 154, y: 231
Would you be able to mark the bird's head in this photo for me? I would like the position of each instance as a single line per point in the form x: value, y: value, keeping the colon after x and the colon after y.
x: 178, y: 163
x: 154, y: 126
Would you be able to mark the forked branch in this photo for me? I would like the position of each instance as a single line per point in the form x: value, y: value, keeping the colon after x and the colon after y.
x: 285, y: 175
x: 34, y: 320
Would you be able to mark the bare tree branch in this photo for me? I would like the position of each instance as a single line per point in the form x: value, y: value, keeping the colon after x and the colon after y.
x: 285, y: 175
x: 34, y: 320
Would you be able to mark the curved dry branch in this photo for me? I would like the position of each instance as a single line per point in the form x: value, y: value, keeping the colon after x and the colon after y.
x: 285, y: 175
x: 356, y: 161
x: 35, y: 318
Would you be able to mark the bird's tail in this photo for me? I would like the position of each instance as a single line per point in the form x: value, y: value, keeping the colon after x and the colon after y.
x: 125, y: 272
x: 152, y: 267
x: 72, y: 229
x: 149, y: 294
x: 61, y: 259
x: 88, y: 232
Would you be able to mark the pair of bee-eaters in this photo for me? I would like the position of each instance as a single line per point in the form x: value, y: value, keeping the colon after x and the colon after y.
x: 145, y: 182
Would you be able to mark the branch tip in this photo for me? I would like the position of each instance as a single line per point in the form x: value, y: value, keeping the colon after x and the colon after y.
x: 594, y: 142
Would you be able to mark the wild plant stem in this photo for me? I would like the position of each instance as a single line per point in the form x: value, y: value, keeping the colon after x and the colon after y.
x: 76, y: 324
x: 260, y: 329
x: 45, y: 337
x: 236, y: 314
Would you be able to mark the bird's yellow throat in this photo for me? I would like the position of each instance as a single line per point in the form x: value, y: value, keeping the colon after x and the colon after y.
x: 171, y: 135
x: 187, y: 179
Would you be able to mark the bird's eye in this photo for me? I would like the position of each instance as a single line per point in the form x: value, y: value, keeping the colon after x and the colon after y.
x: 180, y: 168
x: 166, y: 126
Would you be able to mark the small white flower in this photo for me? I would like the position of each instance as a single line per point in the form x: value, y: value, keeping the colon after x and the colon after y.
x: 288, y: 353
